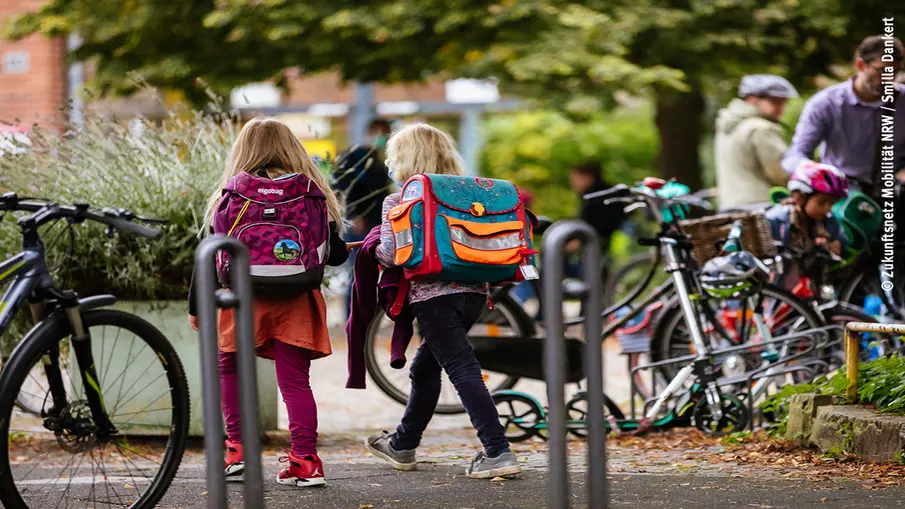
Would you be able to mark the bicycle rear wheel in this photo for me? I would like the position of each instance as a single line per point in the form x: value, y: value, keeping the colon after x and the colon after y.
x: 503, y: 321
x: 58, y: 458
x: 784, y: 313
x: 624, y: 279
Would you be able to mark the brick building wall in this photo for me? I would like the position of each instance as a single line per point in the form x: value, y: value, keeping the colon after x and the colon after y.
x: 329, y: 88
x: 33, y: 93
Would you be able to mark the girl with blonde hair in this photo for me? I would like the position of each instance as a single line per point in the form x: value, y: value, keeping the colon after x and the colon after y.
x: 445, y: 311
x: 273, y: 198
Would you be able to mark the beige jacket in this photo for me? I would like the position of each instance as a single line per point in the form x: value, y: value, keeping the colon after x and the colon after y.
x: 749, y: 148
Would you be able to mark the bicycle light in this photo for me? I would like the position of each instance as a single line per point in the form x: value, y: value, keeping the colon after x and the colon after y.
x: 827, y: 292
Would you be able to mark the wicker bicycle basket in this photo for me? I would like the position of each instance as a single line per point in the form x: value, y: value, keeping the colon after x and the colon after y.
x: 708, y: 231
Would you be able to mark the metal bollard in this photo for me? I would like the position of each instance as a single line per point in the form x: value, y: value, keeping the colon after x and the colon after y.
x: 852, y: 348
x: 555, y: 240
x: 238, y: 297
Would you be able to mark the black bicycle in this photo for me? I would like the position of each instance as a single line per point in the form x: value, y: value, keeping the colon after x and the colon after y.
x: 84, y: 386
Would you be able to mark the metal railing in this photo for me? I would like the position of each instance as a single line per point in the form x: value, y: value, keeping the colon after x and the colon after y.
x: 804, y: 358
x: 555, y: 240
x: 852, y: 348
x: 239, y: 298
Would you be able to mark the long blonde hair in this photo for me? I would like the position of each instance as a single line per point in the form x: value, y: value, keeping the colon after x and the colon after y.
x: 267, y: 142
x: 422, y: 148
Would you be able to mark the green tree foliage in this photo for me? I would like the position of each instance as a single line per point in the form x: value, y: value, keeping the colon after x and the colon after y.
x: 559, y: 47
x: 572, y: 55
x: 536, y: 149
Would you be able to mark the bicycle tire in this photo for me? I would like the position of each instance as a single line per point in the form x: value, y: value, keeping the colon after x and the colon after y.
x: 575, y: 412
x: 671, y: 316
x: 842, y: 314
x: 611, y: 285
x: 857, y: 286
x: 524, y: 327
x: 57, y: 329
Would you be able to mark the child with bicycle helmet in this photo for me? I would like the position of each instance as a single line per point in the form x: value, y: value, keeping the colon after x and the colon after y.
x: 804, y: 219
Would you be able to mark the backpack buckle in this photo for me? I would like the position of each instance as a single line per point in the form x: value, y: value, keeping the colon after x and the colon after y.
x: 270, y: 213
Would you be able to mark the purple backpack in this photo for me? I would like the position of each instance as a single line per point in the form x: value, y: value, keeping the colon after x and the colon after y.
x: 284, y: 222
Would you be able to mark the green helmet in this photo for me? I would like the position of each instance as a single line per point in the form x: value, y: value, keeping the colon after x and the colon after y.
x: 736, y: 275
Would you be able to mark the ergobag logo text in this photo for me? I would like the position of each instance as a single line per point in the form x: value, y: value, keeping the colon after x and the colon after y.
x: 284, y: 223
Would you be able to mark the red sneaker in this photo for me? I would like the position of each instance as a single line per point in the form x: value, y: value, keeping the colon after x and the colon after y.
x: 235, y: 462
x: 302, y: 472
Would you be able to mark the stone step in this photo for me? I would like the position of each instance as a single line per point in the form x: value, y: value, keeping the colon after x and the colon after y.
x: 814, y: 421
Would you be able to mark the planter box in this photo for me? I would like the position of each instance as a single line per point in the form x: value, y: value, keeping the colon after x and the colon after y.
x: 171, y: 318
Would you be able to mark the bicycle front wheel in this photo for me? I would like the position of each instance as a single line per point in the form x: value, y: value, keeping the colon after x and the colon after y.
x: 60, y: 457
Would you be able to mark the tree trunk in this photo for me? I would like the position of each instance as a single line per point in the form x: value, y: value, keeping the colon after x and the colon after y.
x: 679, y: 125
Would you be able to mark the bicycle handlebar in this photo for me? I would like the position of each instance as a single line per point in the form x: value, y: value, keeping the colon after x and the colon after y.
x: 623, y: 194
x: 817, y: 251
x: 618, y: 189
x: 41, y: 212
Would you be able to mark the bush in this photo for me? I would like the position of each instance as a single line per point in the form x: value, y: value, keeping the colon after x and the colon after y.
x: 162, y: 170
x: 879, y: 384
x: 536, y: 149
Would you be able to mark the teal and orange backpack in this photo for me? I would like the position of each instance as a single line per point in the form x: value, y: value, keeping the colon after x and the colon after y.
x: 463, y: 229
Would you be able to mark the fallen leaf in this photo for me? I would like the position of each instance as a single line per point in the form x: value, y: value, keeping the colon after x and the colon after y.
x: 365, y: 506
x: 128, y: 486
x: 203, y: 493
x: 498, y: 479
x: 823, y: 500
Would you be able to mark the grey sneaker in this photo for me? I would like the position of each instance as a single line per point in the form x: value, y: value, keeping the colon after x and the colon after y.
x: 380, y: 446
x: 483, y: 467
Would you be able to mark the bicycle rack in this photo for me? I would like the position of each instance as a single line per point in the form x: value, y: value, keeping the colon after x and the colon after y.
x: 239, y: 297
x: 749, y: 377
x: 555, y: 240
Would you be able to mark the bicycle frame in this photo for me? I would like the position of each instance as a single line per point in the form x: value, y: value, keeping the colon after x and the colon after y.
x: 34, y: 283
x: 21, y: 267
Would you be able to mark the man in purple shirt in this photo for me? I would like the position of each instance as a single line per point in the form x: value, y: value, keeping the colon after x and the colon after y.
x: 845, y: 118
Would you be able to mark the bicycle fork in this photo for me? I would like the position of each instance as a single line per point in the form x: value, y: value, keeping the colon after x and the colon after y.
x: 81, y: 346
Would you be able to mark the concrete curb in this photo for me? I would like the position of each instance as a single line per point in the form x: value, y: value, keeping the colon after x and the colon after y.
x: 857, y: 430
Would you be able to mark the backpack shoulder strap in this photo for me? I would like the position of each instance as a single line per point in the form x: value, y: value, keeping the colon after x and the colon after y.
x: 238, y: 218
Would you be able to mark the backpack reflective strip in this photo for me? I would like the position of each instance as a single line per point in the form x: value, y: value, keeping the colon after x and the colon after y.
x: 507, y: 241
x: 277, y: 270
x: 403, y: 238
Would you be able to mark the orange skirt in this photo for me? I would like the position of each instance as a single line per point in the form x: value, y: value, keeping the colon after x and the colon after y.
x: 300, y: 321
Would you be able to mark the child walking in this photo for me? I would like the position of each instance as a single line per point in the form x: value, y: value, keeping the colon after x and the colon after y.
x: 274, y: 199
x: 445, y: 311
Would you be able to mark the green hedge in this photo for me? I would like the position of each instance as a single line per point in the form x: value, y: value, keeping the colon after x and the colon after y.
x: 536, y: 149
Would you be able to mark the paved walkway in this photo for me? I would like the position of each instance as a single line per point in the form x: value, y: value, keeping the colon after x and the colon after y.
x: 375, y: 410
x: 676, y: 477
